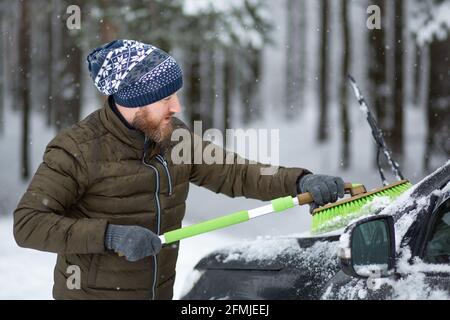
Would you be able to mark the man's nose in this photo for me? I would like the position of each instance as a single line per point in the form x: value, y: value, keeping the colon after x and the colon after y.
x: 175, y: 106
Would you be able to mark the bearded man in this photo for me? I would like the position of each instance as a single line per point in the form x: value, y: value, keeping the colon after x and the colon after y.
x: 107, y: 186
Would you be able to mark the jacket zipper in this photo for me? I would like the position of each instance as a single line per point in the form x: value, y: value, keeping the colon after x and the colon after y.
x: 166, y: 168
x: 158, y: 209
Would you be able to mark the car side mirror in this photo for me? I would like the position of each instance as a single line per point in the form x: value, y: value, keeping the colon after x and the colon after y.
x: 367, y: 247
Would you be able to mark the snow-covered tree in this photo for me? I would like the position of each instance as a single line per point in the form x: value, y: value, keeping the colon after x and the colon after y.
x: 346, y: 58
x: 295, y: 56
x: 432, y: 29
x: 322, y: 127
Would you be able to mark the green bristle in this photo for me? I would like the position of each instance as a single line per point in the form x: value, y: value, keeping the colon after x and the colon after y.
x: 323, y: 221
x: 332, y: 213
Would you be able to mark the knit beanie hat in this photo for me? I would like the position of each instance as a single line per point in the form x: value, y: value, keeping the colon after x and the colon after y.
x: 134, y: 73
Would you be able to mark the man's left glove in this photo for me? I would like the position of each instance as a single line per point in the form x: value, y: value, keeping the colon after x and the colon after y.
x: 323, y: 188
x: 134, y: 242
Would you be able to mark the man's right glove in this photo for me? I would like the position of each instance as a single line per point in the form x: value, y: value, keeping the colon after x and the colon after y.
x: 134, y: 242
x: 323, y: 188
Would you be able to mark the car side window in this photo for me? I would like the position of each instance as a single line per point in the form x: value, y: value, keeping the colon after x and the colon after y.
x: 438, y: 246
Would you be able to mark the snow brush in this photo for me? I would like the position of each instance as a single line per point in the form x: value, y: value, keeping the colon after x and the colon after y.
x: 337, y: 215
x: 277, y: 205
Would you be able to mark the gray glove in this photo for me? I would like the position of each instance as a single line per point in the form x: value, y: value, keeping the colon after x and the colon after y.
x: 134, y: 242
x: 323, y: 188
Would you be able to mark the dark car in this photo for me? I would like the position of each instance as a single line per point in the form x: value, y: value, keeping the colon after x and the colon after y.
x: 399, y: 251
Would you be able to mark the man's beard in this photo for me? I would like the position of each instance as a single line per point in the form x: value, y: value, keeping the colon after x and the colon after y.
x: 158, y: 131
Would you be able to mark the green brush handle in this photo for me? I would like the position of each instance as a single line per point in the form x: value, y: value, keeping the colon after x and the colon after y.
x: 206, y: 226
x: 277, y: 205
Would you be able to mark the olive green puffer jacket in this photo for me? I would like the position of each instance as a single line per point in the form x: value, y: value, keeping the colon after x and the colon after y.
x: 93, y: 174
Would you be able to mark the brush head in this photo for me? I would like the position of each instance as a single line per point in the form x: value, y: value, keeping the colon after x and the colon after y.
x: 337, y: 215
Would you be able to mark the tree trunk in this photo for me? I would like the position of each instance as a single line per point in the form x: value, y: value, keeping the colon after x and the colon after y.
x: 419, y: 9
x: 250, y: 84
x: 2, y: 63
x: 57, y: 35
x: 290, y: 69
x: 301, y: 76
x: 377, y: 68
x: 438, y: 107
x: 323, y: 91
x: 68, y: 112
x: 228, y: 90
x: 206, y: 69
x: 417, y: 75
x: 24, y: 74
x: 396, y: 133
x: 49, y: 64
x: 193, y: 93
x: 345, y: 153
x: 379, y: 87
x: 424, y: 77
x: 108, y: 28
x: 13, y: 63
x: 295, y: 57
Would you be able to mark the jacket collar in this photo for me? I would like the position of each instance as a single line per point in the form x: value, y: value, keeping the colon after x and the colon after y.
x: 132, y: 137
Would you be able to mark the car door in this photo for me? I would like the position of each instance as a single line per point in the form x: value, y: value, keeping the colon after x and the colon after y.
x: 435, y: 252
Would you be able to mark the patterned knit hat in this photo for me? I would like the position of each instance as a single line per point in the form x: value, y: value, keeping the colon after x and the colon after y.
x: 135, y: 73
